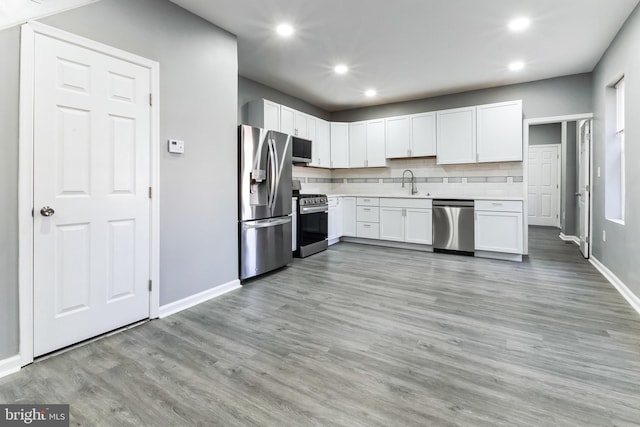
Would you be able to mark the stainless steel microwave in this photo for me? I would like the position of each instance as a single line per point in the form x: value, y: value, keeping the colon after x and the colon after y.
x: 301, y: 150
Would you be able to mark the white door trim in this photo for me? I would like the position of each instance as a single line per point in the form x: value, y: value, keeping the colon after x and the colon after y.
x: 25, y: 171
x: 525, y: 166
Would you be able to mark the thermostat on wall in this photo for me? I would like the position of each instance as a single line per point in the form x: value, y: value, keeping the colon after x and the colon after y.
x: 176, y: 146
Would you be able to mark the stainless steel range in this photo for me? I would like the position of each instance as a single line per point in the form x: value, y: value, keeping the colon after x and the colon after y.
x: 313, y: 223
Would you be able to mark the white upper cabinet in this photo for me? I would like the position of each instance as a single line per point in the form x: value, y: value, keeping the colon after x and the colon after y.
x: 339, y: 145
x: 264, y: 114
x: 301, y: 125
x: 367, y: 144
x: 398, y: 137
x: 411, y: 136
x: 423, y: 134
x: 456, y: 136
x: 358, y: 144
x: 287, y: 120
x: 499, y: 132
x: 375, y: 143
x: 321, y: 145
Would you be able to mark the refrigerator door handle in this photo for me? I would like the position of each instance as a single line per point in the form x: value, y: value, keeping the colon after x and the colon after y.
x: 272, y: 176
x: 264, y: 223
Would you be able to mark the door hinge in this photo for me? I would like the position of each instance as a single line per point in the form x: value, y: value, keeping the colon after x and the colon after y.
x: 32, y: 213
x: 150, y: 192
x: 586, y: 188
x: 150, y: 285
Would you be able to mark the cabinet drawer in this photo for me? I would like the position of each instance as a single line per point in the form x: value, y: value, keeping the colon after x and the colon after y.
x: 368, y: 201
x: 498, y: 205
x: 368, y: 230
x: 368, y: 214
x: 406, y: 203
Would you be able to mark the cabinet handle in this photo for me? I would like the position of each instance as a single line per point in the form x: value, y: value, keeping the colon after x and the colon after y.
x: 366, y: 200
x: 367, y: 209
x: 408, y: 153
x: 477, y: 157
x: 366, y: 225
x: 496, y: 204
x: 332, y: 163
x: 366, y: 163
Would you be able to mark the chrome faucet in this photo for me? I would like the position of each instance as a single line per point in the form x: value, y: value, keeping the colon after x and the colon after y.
x: 414, y: 190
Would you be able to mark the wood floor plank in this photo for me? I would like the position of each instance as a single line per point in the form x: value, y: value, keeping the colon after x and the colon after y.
x: 361, y: 335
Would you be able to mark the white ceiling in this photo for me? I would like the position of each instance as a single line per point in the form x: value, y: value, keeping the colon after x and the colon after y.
x: 410, y: 49
x: 13, y: 12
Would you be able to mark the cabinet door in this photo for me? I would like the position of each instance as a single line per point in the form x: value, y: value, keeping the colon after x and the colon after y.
x: 392, y: 224
x: 418, y: 228
x: 500, y: 132
x: 339, y: 145
x: 287, y: 120
x: 376, y: 156
x: 321, y: 144
x: 456, y: 136
x: 349, y: 216
x: 357, y: 144
x: 331, y: 223
x: 398, y: 137
x: 339, y: 218
x: 423, y: 135
x: 301, y: 125
x: 271, y: 115
x: 498, y: 232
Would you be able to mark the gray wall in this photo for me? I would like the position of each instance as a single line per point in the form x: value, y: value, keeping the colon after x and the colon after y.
x: 198, y: 93
x: 248, y: 90
x: 545, y: 134
x: 9, y: 93
x: 544, y: 98
x: 620, y: 253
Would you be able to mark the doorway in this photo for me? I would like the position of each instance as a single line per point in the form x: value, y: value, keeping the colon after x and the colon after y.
x: 88, y: 159
x: 565, y: 131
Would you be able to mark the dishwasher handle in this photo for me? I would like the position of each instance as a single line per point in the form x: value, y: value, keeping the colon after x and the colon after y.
x: 455, y: 203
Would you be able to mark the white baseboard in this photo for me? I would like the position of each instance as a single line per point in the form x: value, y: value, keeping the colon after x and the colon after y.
x: 631, y: 298
x: 10, y: 366
x: 183, y: 304
x: 573, y: 239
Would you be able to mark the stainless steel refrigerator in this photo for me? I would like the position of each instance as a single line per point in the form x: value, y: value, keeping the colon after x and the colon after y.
x: 264, y: 202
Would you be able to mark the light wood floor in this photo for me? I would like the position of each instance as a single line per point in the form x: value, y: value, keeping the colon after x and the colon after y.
x: 367, y: 336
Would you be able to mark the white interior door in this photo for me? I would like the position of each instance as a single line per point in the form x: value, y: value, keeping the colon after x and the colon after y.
x: 91, y: 168
x: 584, y: 178
x: 544, y: 185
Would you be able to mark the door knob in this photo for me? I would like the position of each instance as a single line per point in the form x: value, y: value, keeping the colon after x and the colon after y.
x: 47, y: 211
x: 578, y: 194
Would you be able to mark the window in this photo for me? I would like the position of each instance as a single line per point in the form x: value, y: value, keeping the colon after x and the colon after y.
x: 615, y: 161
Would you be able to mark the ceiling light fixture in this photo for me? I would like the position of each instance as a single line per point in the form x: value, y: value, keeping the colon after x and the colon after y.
x: 519, y: 24
x: 370, y: 93
x: 341, y: 69
x: 516, y: 66
x: 285, y: 30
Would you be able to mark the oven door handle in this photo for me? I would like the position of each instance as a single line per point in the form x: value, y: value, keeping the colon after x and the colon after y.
x: 313, y: 209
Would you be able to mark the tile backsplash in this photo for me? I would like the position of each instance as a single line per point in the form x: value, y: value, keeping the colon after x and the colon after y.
x: 481, y: 179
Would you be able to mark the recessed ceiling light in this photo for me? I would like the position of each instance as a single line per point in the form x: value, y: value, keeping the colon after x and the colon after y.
x: 519, y: 24
x: 341, y: 69
x: 285, y: 30
x: 516, y: 66
x: 370, y: 93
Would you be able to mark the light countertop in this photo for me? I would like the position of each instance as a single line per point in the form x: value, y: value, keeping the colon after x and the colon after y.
x: 424, y: 196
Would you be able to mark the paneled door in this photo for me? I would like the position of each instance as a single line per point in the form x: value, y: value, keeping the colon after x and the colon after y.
x: 91, y: 198
x: 544, y: 185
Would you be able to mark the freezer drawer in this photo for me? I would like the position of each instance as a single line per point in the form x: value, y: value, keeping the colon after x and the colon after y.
x: 265, y: 245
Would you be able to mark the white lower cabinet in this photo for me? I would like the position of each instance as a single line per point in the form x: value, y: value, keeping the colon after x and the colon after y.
x: 498, y: 226
x: 336, y: 216
x: 349, y: 216
x: 368, y: 218
x: 406, y: 220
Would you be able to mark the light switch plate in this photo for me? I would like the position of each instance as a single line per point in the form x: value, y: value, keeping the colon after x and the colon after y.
x: 176, y: 146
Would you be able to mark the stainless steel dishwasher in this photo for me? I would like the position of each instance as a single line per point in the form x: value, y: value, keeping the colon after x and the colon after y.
x: 453, y: 226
